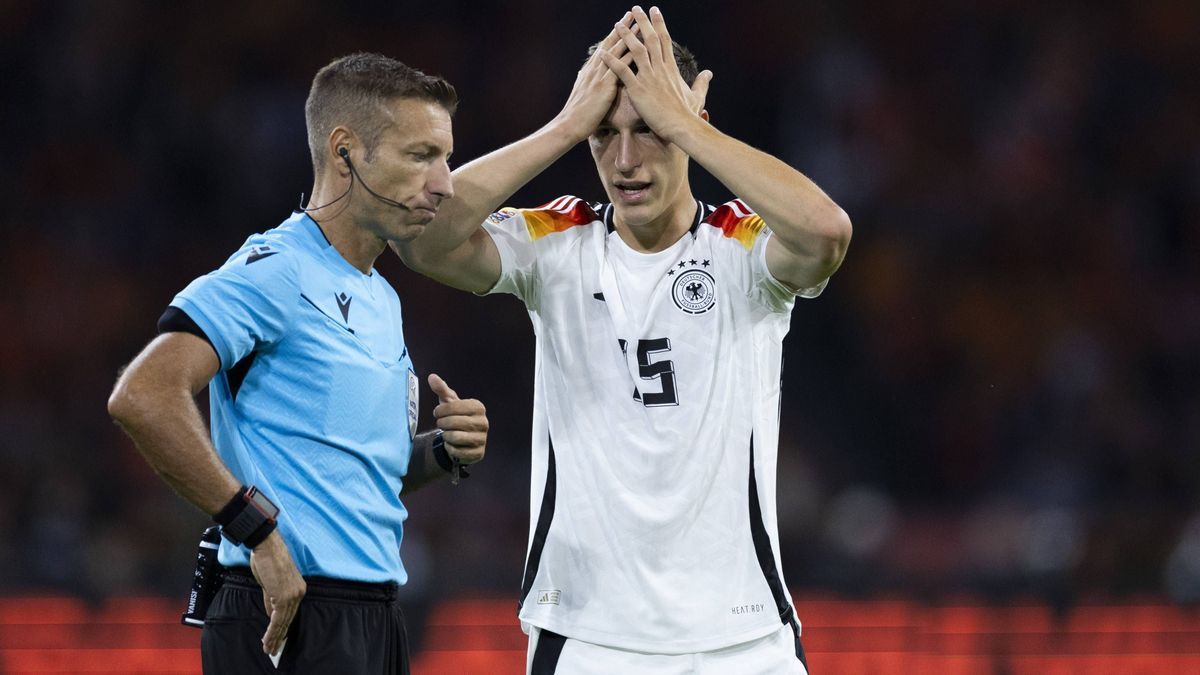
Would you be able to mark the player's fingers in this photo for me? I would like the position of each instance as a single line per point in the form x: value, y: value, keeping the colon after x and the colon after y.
x: 642, y: 20
x: 700, y: 88
x: 635, y: 47
x: 619, y: 67
x: 625, y: 58
x: 612, y: 39
x: 594, y: 63
x: 609, y: 76
x: 618, y: 48
x: 660, y: 26
x: 598, y: 71
x: 441, y: 389
x: 649, y: 35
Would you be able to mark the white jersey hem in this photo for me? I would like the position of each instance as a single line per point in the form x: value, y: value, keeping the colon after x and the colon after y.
x: 625, y: 642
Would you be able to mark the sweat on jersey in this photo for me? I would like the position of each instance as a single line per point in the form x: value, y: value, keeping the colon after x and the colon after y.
x: 656, y: 420
x: 315, y: 400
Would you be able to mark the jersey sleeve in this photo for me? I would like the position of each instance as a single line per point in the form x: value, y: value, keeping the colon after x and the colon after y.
x: 521, y: 236
x: 518, y: 259
x: 740, y: 223
x: 246, y: 304
x: 773, y: 292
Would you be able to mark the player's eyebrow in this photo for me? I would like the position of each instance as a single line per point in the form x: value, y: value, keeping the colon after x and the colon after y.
x: 636, y: 123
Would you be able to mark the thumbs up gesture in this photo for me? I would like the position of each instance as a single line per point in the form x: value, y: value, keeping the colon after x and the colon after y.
x: 463, y: 422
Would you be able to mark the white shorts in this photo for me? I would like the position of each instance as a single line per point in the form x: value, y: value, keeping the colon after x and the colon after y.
x: 775, y: 654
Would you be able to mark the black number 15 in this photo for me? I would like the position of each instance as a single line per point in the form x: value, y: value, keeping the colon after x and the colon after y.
x: 664, y: 371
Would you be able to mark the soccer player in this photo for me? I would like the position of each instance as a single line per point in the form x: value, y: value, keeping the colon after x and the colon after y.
x: 659, y: 321
x: 312, y: 391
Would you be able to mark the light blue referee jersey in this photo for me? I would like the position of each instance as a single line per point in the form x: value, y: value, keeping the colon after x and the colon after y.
x: 312, y: 403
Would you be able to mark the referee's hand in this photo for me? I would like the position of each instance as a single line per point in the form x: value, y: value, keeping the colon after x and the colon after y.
x: 463, y: 422
x: 282, y: 585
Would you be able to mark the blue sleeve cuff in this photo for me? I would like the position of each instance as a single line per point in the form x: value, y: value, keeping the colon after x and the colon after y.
x: 210, y: 329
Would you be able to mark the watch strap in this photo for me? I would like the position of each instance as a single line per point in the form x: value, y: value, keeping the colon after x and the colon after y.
x: 248, y: 518
x: 450, y: 465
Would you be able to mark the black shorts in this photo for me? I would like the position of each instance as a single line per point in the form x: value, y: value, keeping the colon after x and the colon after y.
x: 341, y: 627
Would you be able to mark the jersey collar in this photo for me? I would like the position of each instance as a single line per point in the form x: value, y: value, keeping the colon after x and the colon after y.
x: 702, y: 212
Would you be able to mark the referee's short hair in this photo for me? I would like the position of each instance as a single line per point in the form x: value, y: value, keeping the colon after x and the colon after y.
x: 352, y: 90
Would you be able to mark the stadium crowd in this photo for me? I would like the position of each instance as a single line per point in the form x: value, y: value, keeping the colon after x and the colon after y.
x: 999, y: 393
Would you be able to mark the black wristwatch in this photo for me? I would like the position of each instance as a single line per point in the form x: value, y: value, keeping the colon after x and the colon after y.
x: 449, y: 464
x: 248, y: 518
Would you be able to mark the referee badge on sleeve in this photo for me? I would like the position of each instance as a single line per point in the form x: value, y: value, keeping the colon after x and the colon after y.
x: 414, y: 397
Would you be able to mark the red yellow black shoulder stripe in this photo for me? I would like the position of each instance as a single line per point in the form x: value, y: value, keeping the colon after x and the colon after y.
x: 556, y: 216
x: 737, y: 221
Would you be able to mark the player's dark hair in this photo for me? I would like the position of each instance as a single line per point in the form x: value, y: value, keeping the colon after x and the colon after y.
x: 352, y: 90
x: 689, y: 68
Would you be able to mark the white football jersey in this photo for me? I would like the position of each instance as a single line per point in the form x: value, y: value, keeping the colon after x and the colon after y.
x: 656, y: 421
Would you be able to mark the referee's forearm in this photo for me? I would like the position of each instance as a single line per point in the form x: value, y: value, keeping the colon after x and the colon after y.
x: 173, y: 440
x: 154, y: 402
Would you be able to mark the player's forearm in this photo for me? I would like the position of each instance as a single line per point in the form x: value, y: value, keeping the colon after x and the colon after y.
x: 800, y: 214
x: 482, y: 185
x: 167, y: 428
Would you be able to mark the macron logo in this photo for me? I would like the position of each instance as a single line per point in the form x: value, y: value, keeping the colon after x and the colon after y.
x: 343, y: 302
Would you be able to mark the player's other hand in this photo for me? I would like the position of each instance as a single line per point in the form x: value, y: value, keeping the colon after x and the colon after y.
x: 658, y: 92
x: 463, y: 422
x: 595, y: 87
x: 283, y: 588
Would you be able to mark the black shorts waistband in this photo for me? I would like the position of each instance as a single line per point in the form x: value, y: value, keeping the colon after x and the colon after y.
x: 322, y: 587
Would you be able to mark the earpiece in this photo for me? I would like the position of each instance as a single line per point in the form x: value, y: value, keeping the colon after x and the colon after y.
x: 345, y: 155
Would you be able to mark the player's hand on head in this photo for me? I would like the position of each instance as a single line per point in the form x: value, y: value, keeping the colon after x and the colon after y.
x: 698, y: 93
x: 463, y: 422
x: 595, y: 87
x: 283, y: 588
x: 665, y: 102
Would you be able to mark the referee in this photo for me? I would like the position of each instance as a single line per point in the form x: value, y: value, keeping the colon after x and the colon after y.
x: 312, y: 391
